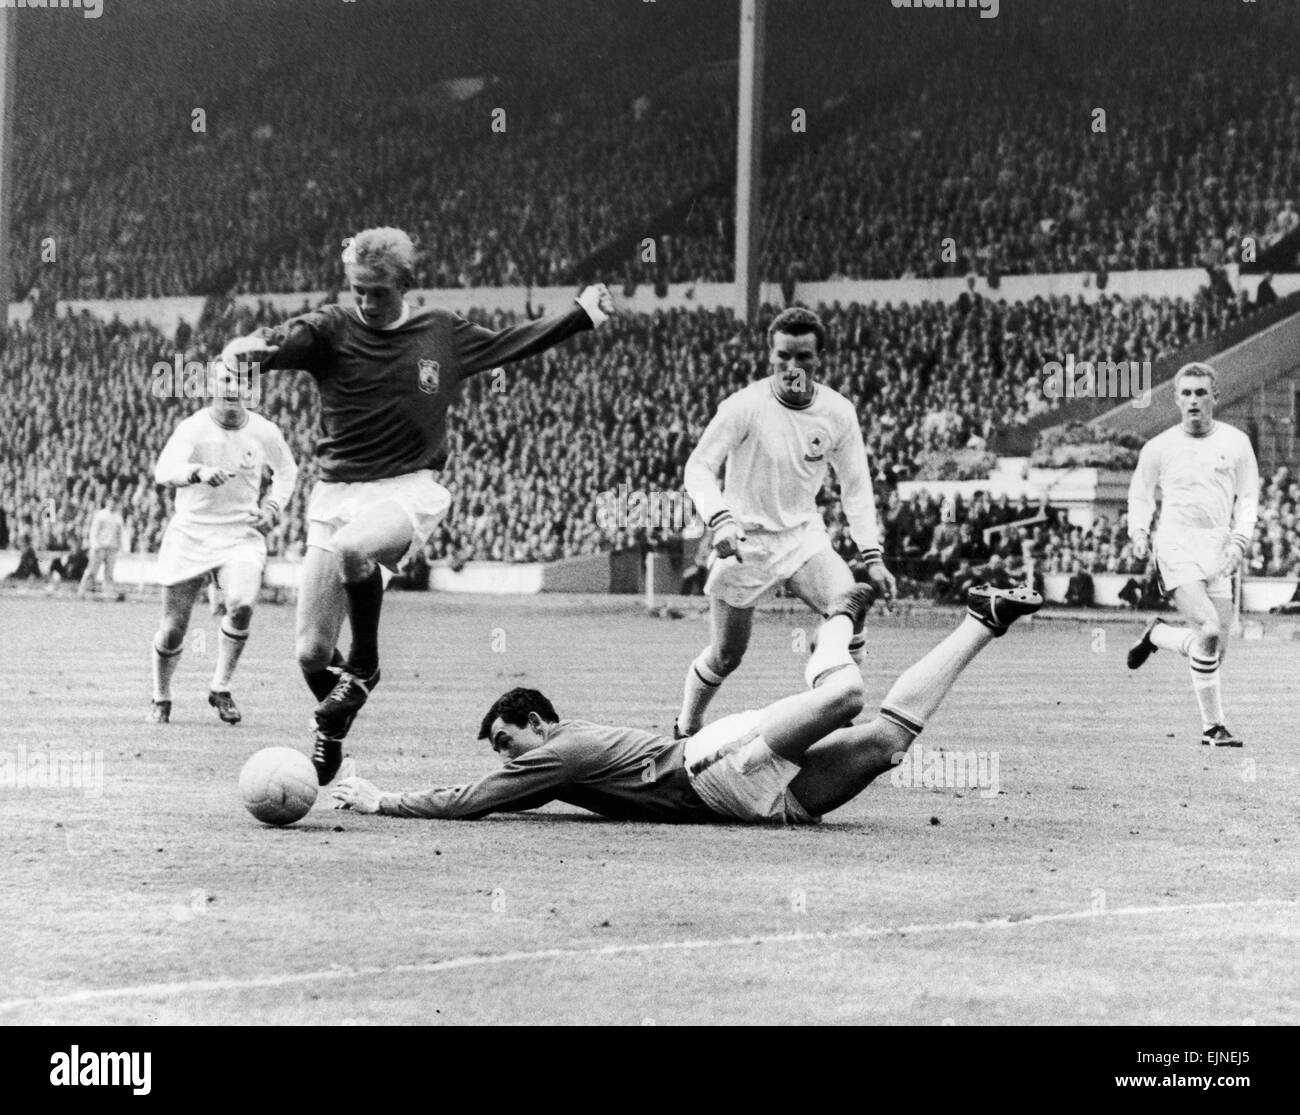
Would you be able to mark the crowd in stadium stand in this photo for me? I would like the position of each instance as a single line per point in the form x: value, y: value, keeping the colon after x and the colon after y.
x: 203, y: 177
x: 540, y: 452
x: 935, y: 139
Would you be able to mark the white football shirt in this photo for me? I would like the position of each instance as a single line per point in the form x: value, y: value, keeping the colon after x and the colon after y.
x: 776, y: 457
x: 1206, y: 483
x: 201, y: 440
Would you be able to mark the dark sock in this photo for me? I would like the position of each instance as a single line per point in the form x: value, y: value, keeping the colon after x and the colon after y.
x: 365, y: 598
x: 320, y: 682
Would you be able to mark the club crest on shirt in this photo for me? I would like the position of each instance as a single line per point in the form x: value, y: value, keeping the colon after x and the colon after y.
x: 247, y: 460
x: 816, y: 450
x: 429, y: 370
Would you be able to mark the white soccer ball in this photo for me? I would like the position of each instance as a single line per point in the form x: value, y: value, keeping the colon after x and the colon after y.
x: 278, y: 785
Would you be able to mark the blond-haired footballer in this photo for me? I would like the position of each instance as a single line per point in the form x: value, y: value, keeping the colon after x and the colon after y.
x: 1208, y: 478
x: 775, y: 439
x: 387, y: 373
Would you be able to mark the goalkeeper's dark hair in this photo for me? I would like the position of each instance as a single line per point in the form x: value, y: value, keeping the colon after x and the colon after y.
x: 798, y: 321
x: 514, y: 707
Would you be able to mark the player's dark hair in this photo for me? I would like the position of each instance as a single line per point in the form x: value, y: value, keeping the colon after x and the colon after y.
x: 514, y: 707
x: 798, y: 322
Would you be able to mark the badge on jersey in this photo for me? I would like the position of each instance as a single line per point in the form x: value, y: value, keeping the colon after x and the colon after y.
x: 816, y: 448
x: 429, y: 370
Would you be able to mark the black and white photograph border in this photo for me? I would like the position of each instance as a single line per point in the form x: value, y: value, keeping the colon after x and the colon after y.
x: 651, y: 513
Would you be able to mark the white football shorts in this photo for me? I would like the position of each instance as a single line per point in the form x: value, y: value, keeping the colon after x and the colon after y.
x: 1192, y: 555
x: 190, y: 550
x: 737, y: 775
x: 770, y: 559
x: 334, y: 505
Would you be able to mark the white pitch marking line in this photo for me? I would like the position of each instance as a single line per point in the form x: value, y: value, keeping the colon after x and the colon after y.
x: 859, y: 932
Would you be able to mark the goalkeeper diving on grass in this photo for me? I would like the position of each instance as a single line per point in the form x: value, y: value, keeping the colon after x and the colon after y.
x: 790, y: 762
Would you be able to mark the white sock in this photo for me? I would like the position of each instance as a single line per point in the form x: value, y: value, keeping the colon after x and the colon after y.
x: 164, y: 665
x: 1205, y: 684
x: 832, y: 651
x: 230, y: 645
x: 702, y: 683
x: 923, y: 686
x: 1167, y: 637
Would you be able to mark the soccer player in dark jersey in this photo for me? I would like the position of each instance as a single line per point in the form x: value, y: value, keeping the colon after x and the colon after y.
x: 791, y: 761
x: 387, y: 373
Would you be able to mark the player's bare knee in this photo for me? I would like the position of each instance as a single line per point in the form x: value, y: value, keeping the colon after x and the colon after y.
x: 725, y: 660
x: 846, y: 693
x: 313, y: 654
x: 355, y: 561
x: 239, y: 613
x: 848, y: 701
x: 171, y: 634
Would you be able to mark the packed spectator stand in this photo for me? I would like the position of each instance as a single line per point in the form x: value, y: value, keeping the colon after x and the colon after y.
x: 918, y: 133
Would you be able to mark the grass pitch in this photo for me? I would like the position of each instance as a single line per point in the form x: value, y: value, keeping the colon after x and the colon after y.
x: 1121, y: 874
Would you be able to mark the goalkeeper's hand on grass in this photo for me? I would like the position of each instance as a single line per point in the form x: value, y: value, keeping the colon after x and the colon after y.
x: 356, y: 794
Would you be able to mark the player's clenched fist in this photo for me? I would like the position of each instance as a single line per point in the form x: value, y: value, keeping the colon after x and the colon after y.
x: 244, y: 351
x: 727, y: 537
x: 1231, y: 559
x: 1141, y: 545
x: 882, y: 579
x: 210, y: 475
x: 268, y: 515
x: 598, y: 302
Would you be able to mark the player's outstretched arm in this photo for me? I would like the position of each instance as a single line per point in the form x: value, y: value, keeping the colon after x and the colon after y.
x: 296, y: 343
x: 479, y: 348
x: 527, y: 782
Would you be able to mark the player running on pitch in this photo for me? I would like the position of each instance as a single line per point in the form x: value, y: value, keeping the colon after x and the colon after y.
x: 791, y: 761
x: 386, y: 372
x: 215, y: 459
x: 1209, y: 484
x: 776, y: 438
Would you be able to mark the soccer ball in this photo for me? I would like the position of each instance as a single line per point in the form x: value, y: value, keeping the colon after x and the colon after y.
x: 278, y: 785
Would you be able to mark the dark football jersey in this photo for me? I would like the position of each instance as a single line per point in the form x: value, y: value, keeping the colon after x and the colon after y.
x: 624, y: 773
x: 385, y: 392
